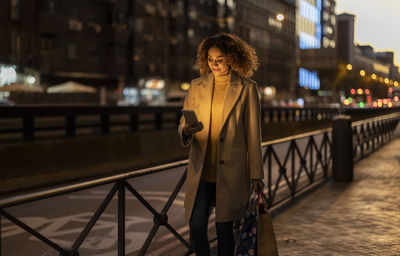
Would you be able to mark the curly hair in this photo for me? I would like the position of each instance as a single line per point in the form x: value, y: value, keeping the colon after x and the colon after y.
x: 241, y: 57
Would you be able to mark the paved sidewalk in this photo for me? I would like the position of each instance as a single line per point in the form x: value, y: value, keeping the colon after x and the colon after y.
x: 357, y: 218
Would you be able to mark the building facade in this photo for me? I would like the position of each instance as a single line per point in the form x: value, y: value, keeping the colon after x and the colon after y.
x: 274, y: 39
x: 122, y: 43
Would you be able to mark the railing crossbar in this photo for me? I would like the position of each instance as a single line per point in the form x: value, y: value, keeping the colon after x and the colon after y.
x: 174, y: 193
x: 141, y: 199
x: 32, y: 232
x: 78, y: 242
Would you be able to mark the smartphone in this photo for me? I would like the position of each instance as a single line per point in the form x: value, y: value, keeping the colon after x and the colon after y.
x: 190, y: 116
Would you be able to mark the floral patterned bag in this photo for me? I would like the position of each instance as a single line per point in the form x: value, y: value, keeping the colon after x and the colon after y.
x: 257, y: 236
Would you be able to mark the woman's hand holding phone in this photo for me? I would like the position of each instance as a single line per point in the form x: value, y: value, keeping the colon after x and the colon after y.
x: 190, y: 129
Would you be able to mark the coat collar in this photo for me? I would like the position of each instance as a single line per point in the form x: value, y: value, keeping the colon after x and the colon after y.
x: 232, y: 94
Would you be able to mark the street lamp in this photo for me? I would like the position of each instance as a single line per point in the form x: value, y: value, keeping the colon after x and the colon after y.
x: 349, y: 67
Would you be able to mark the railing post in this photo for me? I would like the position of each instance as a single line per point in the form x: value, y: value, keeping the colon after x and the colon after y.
x: 133, y: 122
x: 28, y: 127
x: 121, y: 218
x: 105, y: 124
x: 158, y: 121
x: 279, y: 112
x: 70, y: 126
x: 271, y: 115
x: 342, y: 149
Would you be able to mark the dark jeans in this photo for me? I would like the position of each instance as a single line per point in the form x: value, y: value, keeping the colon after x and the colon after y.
x: 199, y: 222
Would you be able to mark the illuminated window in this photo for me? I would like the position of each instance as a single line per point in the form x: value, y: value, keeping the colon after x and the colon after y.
x: 309, y: 79
x: 310, y: 32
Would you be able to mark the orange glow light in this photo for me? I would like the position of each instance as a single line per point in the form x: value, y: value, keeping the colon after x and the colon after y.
x: 375, y: 104
x: 366, y: 91
x: 360, y: 91
x: 373, y: 76
x: 346, y: 102
x: 396, y: 98
x: 390, y: 104
x: 380, y: 104
x: 353, y: 91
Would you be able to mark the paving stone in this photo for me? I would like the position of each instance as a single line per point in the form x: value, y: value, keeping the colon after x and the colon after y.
x: 357, y: 218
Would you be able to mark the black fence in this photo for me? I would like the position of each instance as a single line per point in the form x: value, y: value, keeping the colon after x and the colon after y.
x: 292, y: 165
x: 27, y: 123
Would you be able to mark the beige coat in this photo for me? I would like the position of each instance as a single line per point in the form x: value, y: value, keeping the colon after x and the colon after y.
x: 239, y: 148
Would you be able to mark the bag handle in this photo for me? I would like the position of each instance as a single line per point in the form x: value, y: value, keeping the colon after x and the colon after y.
x: 261, y: 207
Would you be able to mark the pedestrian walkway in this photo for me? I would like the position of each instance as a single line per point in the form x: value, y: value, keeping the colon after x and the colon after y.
x: 357, y: 218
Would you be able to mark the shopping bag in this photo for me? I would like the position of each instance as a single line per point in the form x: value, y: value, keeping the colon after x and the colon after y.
x: 257, y: 236
x: 266, y: 240
x: 246, y: 243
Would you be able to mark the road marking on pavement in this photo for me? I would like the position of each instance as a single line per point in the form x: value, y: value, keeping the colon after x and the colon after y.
x: 95, y: 244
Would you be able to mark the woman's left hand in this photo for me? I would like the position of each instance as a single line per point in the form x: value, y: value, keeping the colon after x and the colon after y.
x: 258, y: 185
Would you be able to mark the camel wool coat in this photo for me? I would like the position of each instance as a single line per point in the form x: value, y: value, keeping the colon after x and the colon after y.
x: 239, y: 154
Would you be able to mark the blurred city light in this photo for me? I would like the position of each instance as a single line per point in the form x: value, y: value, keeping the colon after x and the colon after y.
x: 300, y: 102
x: 373, y: 76
x: 353, y: 91
x: 30, y: 80
x: 7, y: 75
x: 360, y: 91
x: 362, y: 72
x: 155, y: 84
x: 185, y: 86
x: 350, y: 99
x: 390, y: 104
x: 396, y: 98
x: 396, y: 83
x: 361, y: 104
x: 390, y: 90
x: 280, y: 17
x: 349, y: 67
x: 386, y: 80
x: 346, y: 102
x: 366, y: 91
x: 375, y: 104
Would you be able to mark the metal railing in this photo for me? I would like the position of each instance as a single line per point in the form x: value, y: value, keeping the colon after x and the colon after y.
x: 289, y: 172
x: 26, y: 123
x: 370, y: 134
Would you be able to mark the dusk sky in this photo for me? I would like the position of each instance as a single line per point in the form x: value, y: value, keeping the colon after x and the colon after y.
x: 377, y: 23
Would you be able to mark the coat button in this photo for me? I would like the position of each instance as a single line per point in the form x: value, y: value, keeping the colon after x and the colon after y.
x: 221, y: 161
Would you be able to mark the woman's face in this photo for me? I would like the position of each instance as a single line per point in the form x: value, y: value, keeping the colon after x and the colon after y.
x: 217, y: 62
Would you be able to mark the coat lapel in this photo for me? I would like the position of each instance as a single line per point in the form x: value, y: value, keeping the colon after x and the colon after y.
x: 205, y: 100
x: 232, y: 94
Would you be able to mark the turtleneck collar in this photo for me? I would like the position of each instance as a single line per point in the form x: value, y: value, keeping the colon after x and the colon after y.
x: 222, y: 79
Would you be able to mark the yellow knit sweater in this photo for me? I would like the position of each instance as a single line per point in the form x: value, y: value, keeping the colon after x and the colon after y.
x: 209, y: 172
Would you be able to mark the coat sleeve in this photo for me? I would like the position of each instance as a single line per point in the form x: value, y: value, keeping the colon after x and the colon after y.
x: 187, y: 104
x: 253, y: 132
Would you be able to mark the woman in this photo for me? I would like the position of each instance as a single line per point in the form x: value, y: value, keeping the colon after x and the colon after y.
x: 225, y: 145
